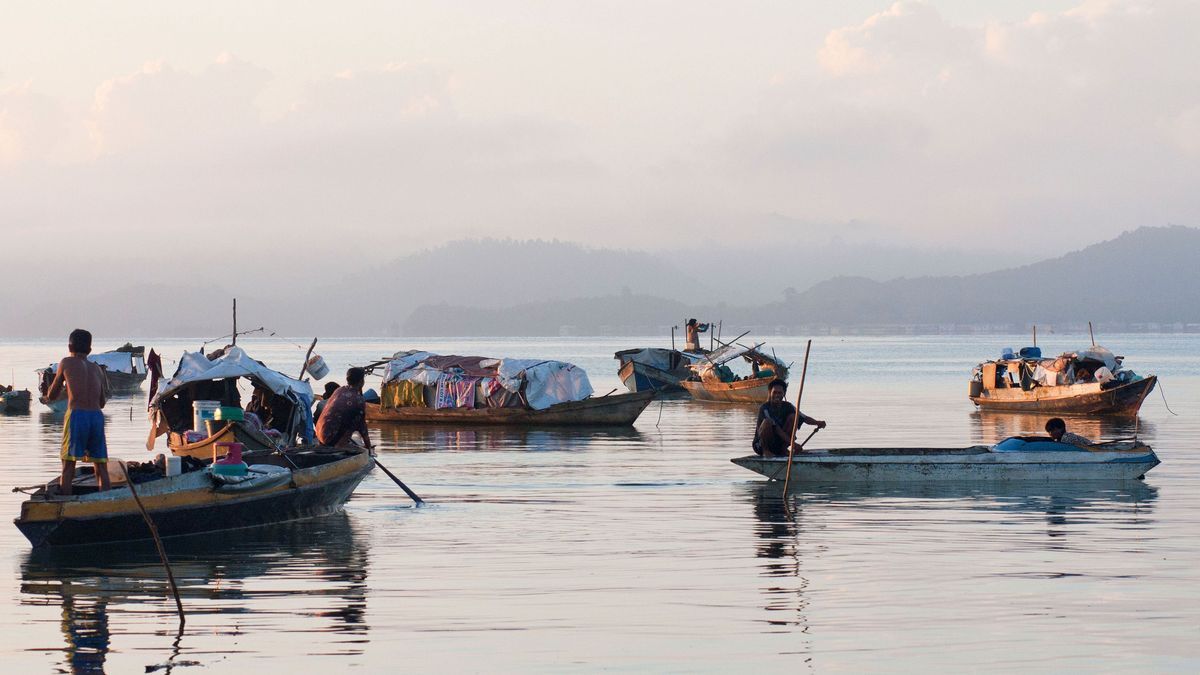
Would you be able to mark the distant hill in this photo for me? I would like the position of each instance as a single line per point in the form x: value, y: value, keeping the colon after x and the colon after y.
x: 505, y: 287
x: 1149, y: 275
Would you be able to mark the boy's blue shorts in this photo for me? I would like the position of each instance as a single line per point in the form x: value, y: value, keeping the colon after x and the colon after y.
x: 83, y: 437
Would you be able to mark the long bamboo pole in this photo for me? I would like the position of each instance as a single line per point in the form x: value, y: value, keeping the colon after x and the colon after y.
x: 162, y: 553
x: 796, y: 422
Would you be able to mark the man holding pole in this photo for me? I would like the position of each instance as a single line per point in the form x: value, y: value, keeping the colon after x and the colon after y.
x: 776, y: 417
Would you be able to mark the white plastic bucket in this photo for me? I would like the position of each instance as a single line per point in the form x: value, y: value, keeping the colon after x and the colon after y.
x: 317, y: 367
x: 174, y: 465
x: 203, y: 411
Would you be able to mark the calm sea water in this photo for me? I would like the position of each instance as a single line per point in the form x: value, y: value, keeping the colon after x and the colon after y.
x: 644, y: 548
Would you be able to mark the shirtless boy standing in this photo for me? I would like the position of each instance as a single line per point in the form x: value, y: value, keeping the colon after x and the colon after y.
x: 83, y: 426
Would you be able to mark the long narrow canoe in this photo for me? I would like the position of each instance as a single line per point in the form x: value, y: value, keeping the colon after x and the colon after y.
x: 196, y: 501
x: 1033, y: 460
x: 613, y: 410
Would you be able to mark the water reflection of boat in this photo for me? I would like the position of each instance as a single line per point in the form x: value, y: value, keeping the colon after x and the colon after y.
x: 427, y: 437
x: 990, y: 426
x: 233, y: 574
x: 1014, y: 459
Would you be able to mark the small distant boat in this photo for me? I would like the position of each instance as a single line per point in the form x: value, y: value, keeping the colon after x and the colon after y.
x: 417, y: 389
x: 304, y: 483
x: 1089, y: 381
x: 14, y: 401
x: 1014, y: 459
x: 124, y: 368
x: 713, y: 380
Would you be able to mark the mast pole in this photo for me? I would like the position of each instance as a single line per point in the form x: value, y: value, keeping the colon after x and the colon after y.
x: 235, y: 321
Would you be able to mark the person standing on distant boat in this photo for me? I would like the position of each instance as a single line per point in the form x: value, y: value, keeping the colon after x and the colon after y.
x: 83, y: 426
x: 1057, y: 429
x: 345, y: 412
x: 773, y: 428
x: 692, y: 331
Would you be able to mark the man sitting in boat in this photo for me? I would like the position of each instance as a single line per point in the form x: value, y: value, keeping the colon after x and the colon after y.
x: 345, y: 412
x: 773, y: 428
x: 1057, y: 429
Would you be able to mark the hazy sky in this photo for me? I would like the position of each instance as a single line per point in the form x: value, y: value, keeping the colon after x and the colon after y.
x: 163, y: 132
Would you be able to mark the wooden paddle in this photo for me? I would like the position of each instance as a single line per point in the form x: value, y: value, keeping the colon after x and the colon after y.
x: 796, y: 423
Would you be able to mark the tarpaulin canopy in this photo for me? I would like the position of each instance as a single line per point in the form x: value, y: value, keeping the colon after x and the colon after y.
x: 195, y: 367
x: 543, y: 382
x: 117, y: 362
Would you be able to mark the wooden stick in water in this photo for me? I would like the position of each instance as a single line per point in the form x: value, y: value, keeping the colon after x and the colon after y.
x: 399, y: 482
x: 162, y: 553
x: 796, y: 422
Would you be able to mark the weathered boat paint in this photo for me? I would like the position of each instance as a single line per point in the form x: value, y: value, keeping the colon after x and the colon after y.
x: 1076, y: 399
x: 742, y: 391
x: 613, y: 410
x: 1109, y: 462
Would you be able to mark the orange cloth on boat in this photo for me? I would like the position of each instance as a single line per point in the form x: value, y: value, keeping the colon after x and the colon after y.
x: 403, y: 394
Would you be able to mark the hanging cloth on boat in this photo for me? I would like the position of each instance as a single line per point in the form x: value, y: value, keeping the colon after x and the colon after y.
x: 445, y: 392
x: 403, y: 394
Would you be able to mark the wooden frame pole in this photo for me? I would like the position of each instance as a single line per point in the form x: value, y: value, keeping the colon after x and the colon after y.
x: 787, y: 477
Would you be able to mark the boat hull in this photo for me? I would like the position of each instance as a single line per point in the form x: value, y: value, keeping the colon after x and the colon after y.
x: 614, y: 410
x: 1088, y: 399
x: 906, y: 465
x: 124, y: 383
x: 742, y: 391
x: 15, y: 402
x: 190, y: 504
x: 638, y: 377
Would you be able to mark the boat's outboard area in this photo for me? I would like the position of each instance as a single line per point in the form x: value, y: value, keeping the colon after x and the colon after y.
x: 1034, y: 444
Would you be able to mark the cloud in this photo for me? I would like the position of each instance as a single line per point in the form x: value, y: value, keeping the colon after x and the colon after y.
x: 1078, y: 121
x: 161, y: 111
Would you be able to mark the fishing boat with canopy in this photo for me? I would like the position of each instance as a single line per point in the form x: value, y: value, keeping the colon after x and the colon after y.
x: 714, y: 380
x: 423, y: 387
x: 1087, y: 381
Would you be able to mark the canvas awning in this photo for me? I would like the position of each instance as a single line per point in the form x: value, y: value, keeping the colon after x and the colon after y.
x: 195, y: 367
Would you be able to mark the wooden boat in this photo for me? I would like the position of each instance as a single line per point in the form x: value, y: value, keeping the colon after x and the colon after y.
x: 124, y: 368
x: 655, y: 369
x: 1014, y: 459
x: 611, y: 410
x: 196, y: 501
x: 714, y: 381
x: 1030, y: 383
x: 14, y: 401
x: 424, y: 388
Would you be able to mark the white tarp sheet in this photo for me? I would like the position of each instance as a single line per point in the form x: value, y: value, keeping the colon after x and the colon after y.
x: 194, y: 367
x: 546, y: 382
x: 1100, y: 354
x: 117, y: 362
